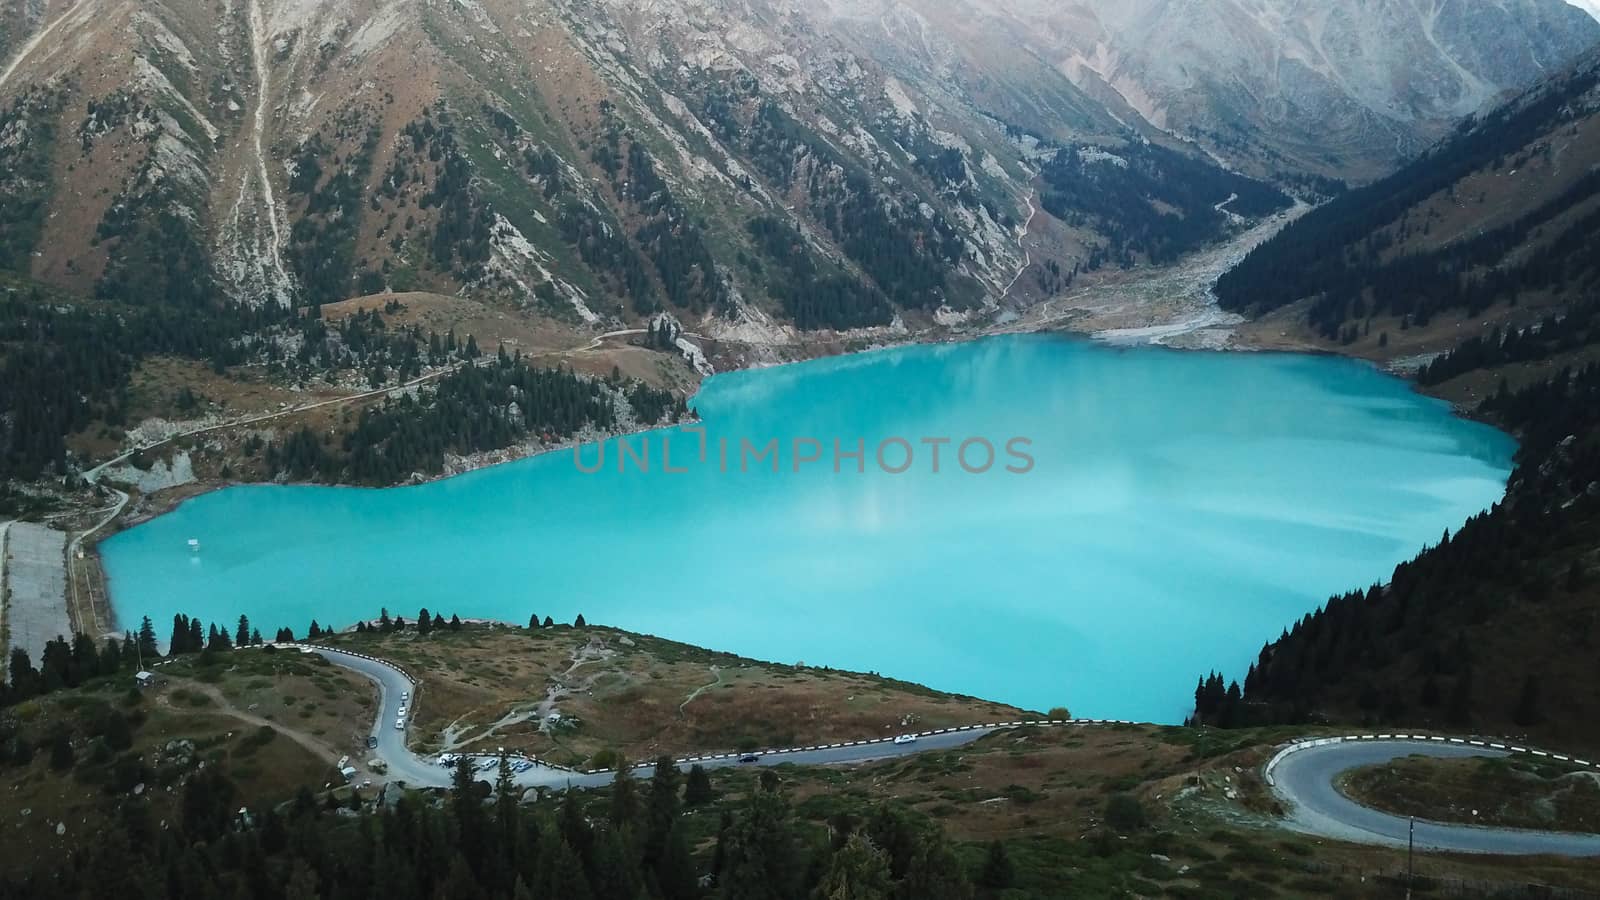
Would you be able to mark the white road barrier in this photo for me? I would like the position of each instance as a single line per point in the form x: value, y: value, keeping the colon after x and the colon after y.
x: 1307, y: 743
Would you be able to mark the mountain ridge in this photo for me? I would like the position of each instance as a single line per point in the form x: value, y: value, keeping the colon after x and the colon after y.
x: 923, y: 111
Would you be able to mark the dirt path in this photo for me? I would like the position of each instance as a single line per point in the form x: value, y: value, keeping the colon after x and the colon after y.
x: 715, y: 680
x: 317, y: 747
x: 1027, y: 257
x: 456, y: 735
x: 38, y: 38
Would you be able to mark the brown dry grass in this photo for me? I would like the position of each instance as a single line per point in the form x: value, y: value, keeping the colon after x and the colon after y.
x: 333, y: 706
x: 38, y: 798
x: 546, y: 341
x: 643, y: 696
x: 1211, y: 829
x: 1505, y: 792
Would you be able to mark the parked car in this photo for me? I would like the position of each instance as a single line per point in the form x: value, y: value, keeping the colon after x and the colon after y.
x: 750, y: 757
x: 399, y: 724
x: 906, y: 739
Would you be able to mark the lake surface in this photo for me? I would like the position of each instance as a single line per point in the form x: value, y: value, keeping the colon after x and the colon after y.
x: 1180, y: 509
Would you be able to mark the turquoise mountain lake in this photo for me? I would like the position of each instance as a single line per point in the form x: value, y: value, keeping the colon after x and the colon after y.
x: 1180, y: 510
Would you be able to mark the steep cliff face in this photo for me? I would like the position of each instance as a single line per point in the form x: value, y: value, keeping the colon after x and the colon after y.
x: 744, y: 165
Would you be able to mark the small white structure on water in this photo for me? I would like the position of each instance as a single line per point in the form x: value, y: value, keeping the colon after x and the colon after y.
x: 194, y: 545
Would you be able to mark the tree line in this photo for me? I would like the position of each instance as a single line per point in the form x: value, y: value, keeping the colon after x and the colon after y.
x: 471, y: 410
x: 1342, y: 252
x: 637, y: 840
x: 1578, y: 326
x: 1465, y: 633
x: 1116, y: 193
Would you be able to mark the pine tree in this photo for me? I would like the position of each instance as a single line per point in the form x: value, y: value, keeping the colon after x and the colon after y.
x: 935, y: 873
x: 241, y: 636
x: 147, y: 639
x: 111, y: 657
x: 698, y: 791
x: 760, y: 853
x: 623, y: 811
x: 857, y: 871
x: 579, y: 622
x: 180, y: 635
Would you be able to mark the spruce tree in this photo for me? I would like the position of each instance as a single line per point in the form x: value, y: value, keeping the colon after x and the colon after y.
x: 147, y: 639
x: 180, y: 635
x: 697, y: 790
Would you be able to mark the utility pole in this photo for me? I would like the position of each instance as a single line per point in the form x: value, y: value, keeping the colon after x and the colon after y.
x: 1411, y: 848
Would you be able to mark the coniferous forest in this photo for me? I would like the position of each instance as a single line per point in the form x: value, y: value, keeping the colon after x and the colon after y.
x: 473, y: 409
x: 1471, y: 633
x: 478, y: 840
x: 1119, y: 192
x: 1350, y: 256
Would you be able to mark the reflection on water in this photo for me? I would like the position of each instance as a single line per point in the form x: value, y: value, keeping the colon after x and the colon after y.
x: 1182, y: 509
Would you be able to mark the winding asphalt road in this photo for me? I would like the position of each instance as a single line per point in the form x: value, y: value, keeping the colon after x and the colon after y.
x: 1303, y: 776
x: 405, y: 765
x: 1305, y: 779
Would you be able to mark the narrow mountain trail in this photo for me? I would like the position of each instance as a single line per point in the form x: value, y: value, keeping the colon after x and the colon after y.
x: 716, y: 679
x: 38, y: 38
x: 1027, y: 257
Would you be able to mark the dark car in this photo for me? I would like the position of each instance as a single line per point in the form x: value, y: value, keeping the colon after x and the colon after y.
x: 749, y: 757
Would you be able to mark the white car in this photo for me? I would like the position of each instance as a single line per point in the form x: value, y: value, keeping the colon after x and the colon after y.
x: 399, y: 724
x: 402, y: 712
x: 906, y: 739
x: 405, y: 697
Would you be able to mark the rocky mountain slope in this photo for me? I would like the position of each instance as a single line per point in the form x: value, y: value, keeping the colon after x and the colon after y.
x: 594, y: 161
x: 752, y: 167
x: 1290, y: 86
x: 1494, y: 226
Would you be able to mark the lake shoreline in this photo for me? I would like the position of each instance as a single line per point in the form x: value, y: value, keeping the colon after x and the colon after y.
x: 145, y: 507
x: 1153, y: 448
